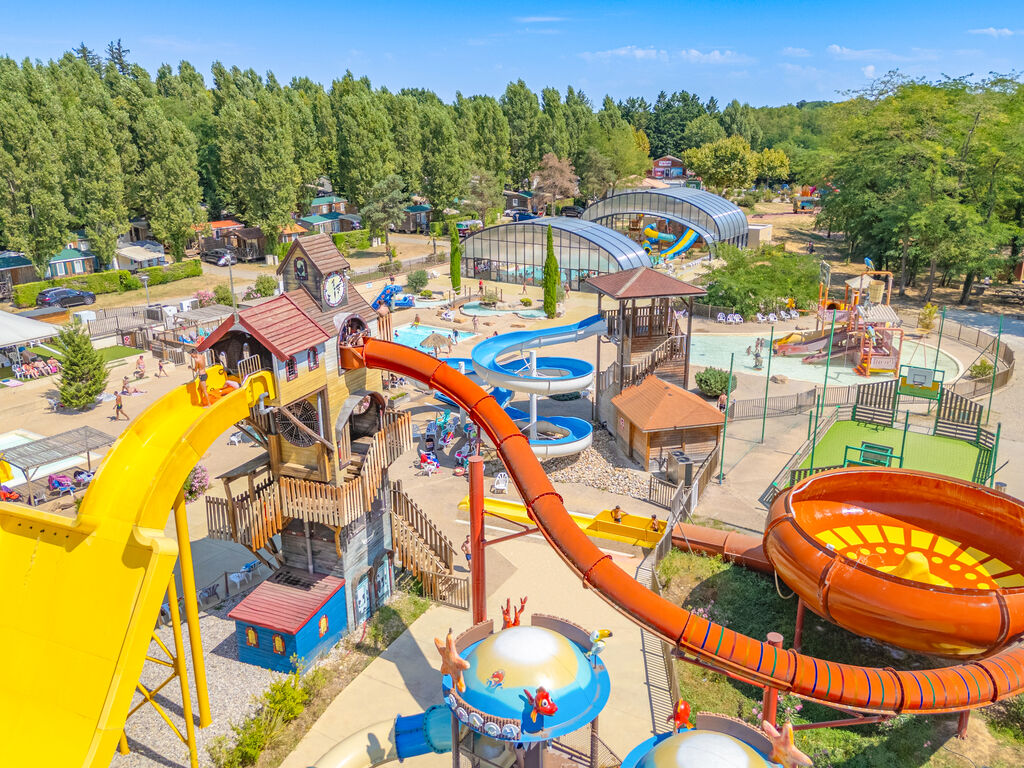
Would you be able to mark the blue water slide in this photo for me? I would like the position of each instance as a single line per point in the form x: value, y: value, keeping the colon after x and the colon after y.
x: 554, y: 375
x: 397, y: 739
x: 384, y: 297
x: 425, y: 733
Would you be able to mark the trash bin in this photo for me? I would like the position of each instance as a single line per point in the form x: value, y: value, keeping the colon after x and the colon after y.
x: 1001, y: 487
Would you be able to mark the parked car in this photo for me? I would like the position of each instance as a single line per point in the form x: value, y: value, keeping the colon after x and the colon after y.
x: 524, y: 216
x: 215, y: 255
x: 573, y: 211
x: 64, y: 297
x: 511, y: 212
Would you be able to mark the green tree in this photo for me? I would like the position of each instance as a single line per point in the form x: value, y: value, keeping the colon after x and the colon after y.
x: 259, y: 178
x: 445, y: 175
x: 772, y: 165
x: 613, y: 138
x: 554, y: 134
x: 483, y: 130
x: 417, y: 281
x: 552, y: 278
x: 385, y: 206
x: 740, y: 120
x: 702, y: 130
x: 83, y: 371
x: 406, y: 134
x: 522, y: 110
x: 669, y: 117
x: 579, y: 114
x: 455, y: 260
x: 761, y: 280
x: 723, y: 164
x: 484, y: 193
x: 168, y: 185
x: 366, y: 152
x: 596, y: 174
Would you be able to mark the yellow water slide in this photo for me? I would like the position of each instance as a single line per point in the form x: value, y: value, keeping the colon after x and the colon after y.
x: 79, y: 597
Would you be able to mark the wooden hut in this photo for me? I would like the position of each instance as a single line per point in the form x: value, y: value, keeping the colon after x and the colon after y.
x: 655, y: 417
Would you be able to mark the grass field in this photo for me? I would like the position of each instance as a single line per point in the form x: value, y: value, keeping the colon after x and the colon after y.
x: 931, y: 454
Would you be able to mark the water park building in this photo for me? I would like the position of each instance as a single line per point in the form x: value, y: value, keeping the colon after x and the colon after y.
x: 515, y: 252
x: 714, y: 219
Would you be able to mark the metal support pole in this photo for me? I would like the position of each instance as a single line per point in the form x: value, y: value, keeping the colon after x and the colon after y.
x: 725, y: 424
x: 770, y: 702
x: 476, y: 539
x: 689, y: 335
x: 594, y: 744
x: 828, y: 361
x: 961, y: 724
x: 798, y: 633
x: 767, y: 379
x: 995, y: 370
x: 938, y: 349
x: 814, y: 434
x: 533, y: 398
x: 456, y: 749
x: 182, y: 670
x: 188, y: 589
x: 994, y: 457
x: 595, y: 404
x: 903, y: 444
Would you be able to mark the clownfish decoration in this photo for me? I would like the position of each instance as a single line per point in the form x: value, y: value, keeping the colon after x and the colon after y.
x: 496, y: 679
x: 541, y: 703
x: 680, y: 717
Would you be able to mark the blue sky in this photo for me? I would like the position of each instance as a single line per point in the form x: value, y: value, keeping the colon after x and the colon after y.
x: 760, y: 52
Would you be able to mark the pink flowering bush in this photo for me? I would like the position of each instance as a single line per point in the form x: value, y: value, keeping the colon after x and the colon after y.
x: 205, y: 298
x: 198, y: 483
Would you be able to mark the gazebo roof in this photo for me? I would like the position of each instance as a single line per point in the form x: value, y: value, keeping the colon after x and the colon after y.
x: 48, y: 450
x: 642, y: 283
x: 654, y: 405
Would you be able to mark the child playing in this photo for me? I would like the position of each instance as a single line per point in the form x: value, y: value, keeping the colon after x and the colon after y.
x: 119, y: 408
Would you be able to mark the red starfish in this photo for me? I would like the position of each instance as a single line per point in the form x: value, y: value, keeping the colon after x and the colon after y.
x: 451, y: 663
x: 784, y: 751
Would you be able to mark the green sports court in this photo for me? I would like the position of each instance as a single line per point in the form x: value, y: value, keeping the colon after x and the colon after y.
x: 943, y: 455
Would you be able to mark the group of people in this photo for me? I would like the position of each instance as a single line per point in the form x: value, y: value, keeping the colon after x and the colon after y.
x: 756, y: 352
x: 34, y: 369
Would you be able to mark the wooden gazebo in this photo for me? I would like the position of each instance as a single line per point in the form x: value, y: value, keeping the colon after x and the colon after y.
x: 640, y: 328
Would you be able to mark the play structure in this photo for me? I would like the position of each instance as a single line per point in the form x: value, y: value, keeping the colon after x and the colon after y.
x: 634, y: 530
x: 653, y: 239
x: 861, y: 329
x: 807, y: 200
x: 893, y: 554
x: 393, y: 298
x: 858, y: 689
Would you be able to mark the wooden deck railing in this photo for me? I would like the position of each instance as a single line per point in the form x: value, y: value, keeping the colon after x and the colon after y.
x: 250, y: 522
x: 331, y: 505
x: 394, y: 439
x: 418, y: 520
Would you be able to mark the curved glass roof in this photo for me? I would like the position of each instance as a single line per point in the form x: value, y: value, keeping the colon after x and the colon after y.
x: 729, y: 220
x: 626, y: 253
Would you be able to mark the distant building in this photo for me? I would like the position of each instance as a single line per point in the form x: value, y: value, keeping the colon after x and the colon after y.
x: 668, y: 167
x: 328, y: 204
x: 70, y: 262
x: 292, y: 231
x: 417, y: 218
x: 518, y: 199
x: 219, y: 229
x: 138, y: 255
x: 329, y: 223
x: 15, y: 269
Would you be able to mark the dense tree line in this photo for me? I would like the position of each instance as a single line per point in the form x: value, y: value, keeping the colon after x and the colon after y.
x: 929, y: 174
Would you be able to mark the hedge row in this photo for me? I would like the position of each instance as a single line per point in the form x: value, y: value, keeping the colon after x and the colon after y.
x: 357, y: 239
x: 110, y: 281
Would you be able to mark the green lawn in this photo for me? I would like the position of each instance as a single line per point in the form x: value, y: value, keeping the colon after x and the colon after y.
x: 944, y: 455
x: 748, y: 602
x: 109, y: 354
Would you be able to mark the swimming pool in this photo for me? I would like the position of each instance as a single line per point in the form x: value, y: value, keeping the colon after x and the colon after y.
x: 411, y: 335
x: 20, y: 437
x: 714, y: 349
x: 475, y: 308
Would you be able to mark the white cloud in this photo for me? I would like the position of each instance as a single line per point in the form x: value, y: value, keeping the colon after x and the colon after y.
x: 714, y: 57
x: 880, y: 54
x: 994, y: 32
x: 795, y: 53
x: 869, y: 70
x: 627, y: 52
x: 539, y: 19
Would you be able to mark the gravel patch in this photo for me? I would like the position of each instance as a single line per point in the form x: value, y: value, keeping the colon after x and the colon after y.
x: 600, y: 466
x: 234, y: 689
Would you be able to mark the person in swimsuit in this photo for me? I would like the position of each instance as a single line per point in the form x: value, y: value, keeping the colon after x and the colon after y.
x: 119, y: 408
x: 199, y: 369
x: 467, y: 551
x: 160, y: 368
x: 617, y: 514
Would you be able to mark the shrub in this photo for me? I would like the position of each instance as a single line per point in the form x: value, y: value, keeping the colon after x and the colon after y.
x: 265, y: 286
x: 455, y: 261
x: 926, y: 317
x: 980, y: 370
x: 222, y: 295
x: 197, y: 483
x: 526, y: 301
x: 426, y: 293
x: 84, y: 374
x: 109, y: 281
x: 355, y: 240
x: 417, y: 281
x: 205, y: 298
x: 714, y: 381
x: 392, y: 267
x: 552, y: 278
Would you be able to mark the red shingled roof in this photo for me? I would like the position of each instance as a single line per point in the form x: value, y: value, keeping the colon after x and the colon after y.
x: 654, y: 405
x: 643, y: 283
x: 287, y: 600
x: 222, y: 224
x: 279, y: 325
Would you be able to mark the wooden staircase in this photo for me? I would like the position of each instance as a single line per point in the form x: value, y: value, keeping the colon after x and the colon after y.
x: 360, y: 449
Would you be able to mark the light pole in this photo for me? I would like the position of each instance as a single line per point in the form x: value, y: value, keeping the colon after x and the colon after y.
x: 144, y: 278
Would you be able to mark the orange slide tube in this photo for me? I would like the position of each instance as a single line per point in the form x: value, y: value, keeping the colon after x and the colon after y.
x: 861, y: 689
x: 733, y: 546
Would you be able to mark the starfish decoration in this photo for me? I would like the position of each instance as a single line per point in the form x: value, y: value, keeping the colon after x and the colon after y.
x: 784, y: 751
x: 451, y: 663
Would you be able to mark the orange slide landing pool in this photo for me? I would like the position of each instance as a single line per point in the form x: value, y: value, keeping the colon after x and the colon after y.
x: 861, y: 689
x: 79, y: 598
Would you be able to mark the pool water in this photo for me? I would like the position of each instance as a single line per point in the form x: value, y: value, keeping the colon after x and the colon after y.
x: 411, y: 336
x: 20, y: 437
x: 714, y: 349
x: 475, y: 308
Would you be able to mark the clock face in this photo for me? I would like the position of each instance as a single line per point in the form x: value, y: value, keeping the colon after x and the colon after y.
x: 334, y: 289
x: 300, y: 269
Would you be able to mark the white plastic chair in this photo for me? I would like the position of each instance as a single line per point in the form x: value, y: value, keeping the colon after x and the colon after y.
x: 500, y: 484
x: 720, y: 318
x: 761, y: 318
x: 772, y: 318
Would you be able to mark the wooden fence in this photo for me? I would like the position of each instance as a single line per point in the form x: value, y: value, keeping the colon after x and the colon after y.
x: 250, y: 522
x: 330, y: 505
x: 417, y: 519
x: 413, y: 555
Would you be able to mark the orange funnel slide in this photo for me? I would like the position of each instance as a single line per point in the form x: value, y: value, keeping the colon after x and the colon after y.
x: 918, y: 560
x: 861, y: 689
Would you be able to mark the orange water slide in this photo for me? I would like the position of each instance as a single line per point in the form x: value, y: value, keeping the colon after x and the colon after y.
x: 854, y: 688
